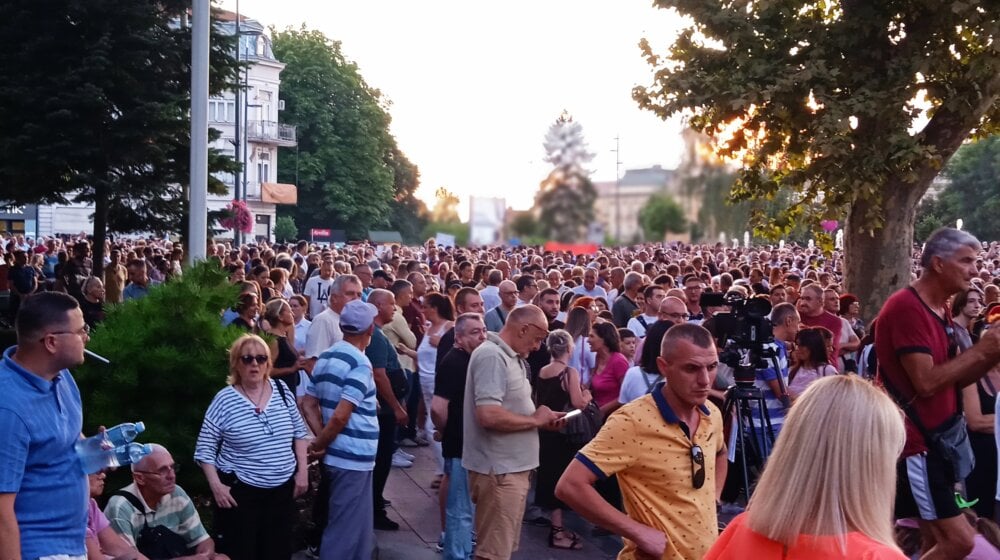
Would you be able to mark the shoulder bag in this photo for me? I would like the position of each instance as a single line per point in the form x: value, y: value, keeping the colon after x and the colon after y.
x: 582, y: 428
x: 157, y: 542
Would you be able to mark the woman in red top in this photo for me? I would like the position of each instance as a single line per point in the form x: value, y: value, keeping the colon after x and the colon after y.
x: 610, y: 368
x: 829, y: 486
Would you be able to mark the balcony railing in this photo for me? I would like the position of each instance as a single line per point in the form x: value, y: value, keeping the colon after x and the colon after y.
x: 270, y: 132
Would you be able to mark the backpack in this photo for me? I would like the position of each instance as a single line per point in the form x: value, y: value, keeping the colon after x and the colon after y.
x: 157, y: 542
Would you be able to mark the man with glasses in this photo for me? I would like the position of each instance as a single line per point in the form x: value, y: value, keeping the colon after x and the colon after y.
x: 500, y: 436
x: 496, y: 317
x: 43, y: 491
x: 692, y: 295
x: 527, y: 287
x: 668, y: 450
x: 155, y: 499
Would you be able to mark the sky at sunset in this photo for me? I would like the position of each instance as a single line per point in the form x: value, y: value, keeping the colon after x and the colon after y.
x: 475, y: 86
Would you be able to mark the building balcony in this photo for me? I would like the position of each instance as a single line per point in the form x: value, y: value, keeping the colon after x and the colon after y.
x: 270, y: 132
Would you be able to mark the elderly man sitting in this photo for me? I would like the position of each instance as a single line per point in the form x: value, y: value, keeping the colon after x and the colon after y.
x: 153, y: 501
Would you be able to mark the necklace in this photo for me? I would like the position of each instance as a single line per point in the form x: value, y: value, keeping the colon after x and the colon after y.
x: 255, y: 402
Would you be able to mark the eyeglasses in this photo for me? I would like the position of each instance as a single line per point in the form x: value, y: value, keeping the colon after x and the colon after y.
x: 248, y: 359
x: 544, y: 330
x: 83, y: 331
x: 679, y: 316
x: 262, y: 418
x: 952, y: 341
x: 697, y: 466
x: 164, y: 470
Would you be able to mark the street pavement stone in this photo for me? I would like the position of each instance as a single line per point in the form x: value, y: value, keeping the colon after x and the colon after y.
x: 415, y: 508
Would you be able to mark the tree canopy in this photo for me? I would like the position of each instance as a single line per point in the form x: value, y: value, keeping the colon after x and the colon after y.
x: 825, y: 100
x: 565, y: 199
x: 660, y: 215
x: 350, y: 173
x: 94, y: 109
x: 971, y: 192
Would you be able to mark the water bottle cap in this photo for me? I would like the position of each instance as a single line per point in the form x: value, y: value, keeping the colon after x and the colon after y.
x: 140, y: 427
x: 147, y: 449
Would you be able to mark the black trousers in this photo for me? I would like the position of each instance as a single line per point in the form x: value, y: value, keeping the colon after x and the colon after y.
x: 383, y: 459
x: 260, y: 527
x: 321, y: 508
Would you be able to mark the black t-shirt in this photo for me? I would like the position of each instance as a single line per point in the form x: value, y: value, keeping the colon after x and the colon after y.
x: 445, y: 344
x: 449, y: 383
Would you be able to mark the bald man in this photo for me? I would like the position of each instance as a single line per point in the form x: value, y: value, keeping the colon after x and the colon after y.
x: 500, y: 439
x: 497, y: 317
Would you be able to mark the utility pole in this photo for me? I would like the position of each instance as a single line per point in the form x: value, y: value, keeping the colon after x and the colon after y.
x: 237, y: 143
x: 198, y: 203
x: 618, y: 189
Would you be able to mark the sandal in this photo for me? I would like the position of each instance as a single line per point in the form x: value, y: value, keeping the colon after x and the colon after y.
x: 573, y: 538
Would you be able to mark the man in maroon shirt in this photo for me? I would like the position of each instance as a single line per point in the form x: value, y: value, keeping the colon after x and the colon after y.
x: 917, y: 361
x: 810, y: 306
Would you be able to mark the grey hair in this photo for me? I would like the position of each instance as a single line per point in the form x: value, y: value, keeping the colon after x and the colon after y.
x: 338, y: 283
x: 462, y: 323
x: 632, y: 280
x: 944, y: 242
x: 559, y: 342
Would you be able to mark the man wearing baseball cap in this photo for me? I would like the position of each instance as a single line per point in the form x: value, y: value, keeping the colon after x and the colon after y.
x: 344, y: 385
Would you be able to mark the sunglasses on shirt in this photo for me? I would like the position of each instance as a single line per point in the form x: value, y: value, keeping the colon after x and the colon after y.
x: 697, y: 466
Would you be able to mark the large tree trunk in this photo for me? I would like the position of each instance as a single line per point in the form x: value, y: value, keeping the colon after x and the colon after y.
x: 877, y: 263
x: 100, y: 229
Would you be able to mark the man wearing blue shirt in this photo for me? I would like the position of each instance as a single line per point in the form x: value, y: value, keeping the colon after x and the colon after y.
x: 43, y: 490
x: 344, y: 388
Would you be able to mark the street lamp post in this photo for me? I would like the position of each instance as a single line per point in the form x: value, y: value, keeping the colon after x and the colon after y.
x: 618, y: 190
x: 198, y: 203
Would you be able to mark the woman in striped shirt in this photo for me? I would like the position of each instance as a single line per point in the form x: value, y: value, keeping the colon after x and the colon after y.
x: 252, y: 449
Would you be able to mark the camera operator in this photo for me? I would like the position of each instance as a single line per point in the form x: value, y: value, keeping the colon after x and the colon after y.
x: 785, y: 323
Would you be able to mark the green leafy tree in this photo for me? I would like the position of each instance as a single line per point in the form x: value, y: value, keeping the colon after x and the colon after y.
x: 660, y: 215
x: 168, y: 355
x: 285, y: 229
x: 972, y: 193
x: 407, y: 214
x: 345, y: 169
x: 565, y: 199
x: 820, y: 98
x: 95, y: 109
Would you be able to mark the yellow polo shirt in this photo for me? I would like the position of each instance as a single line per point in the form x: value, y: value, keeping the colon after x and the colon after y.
x: 645, y: 444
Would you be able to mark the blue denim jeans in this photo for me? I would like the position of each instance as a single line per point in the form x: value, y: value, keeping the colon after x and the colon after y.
x: 458, y: 513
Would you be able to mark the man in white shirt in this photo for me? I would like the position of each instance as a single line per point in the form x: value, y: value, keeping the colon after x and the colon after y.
x: 590, y: 287
x: 491, y: 293
x: 317, y: 290
x: 325, y: 329
x: 653, y: 295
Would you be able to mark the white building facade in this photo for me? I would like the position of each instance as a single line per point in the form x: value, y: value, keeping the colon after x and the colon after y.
x: 260, y: 135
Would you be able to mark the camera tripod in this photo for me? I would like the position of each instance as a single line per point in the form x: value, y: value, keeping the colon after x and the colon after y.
x: 754, y: 433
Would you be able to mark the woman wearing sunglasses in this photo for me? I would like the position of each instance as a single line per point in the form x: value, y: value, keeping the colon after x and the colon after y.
x: 829, y: 486
x: 252, y: 449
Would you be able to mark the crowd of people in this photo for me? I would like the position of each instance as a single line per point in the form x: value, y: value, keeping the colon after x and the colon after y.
x: 590, y: 383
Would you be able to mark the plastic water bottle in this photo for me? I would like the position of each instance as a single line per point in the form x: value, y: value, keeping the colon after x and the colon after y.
x: 97, y: 445
x: 117, y: 457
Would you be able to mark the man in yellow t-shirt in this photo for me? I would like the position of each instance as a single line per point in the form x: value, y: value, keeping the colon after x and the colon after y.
x: 669, y: 453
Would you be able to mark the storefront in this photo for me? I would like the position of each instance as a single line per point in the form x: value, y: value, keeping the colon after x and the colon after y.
x: 19, y: 220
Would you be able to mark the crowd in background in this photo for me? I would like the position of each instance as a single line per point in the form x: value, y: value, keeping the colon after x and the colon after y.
x: 354, y: 354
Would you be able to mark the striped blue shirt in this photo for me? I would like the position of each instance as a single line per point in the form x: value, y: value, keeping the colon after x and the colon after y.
x: 344, y: 373
x: 775, y: 410
x: 257, y: 447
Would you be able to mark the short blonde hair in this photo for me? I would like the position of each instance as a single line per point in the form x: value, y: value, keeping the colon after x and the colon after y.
x: 833, y: 469
x: 238, y: 349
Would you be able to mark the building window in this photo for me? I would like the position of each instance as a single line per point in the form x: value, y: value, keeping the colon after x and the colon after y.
x: 221, y: 110
x: 264, y: 167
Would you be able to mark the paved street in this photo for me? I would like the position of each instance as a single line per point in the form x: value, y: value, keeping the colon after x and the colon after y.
x: 414, y: 507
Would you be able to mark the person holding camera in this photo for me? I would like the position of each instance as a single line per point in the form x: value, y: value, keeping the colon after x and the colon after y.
x: 921, y: 368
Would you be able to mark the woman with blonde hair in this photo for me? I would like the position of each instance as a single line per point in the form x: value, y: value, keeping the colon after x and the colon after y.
x: 252, y: 450
x: 829, y: 487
